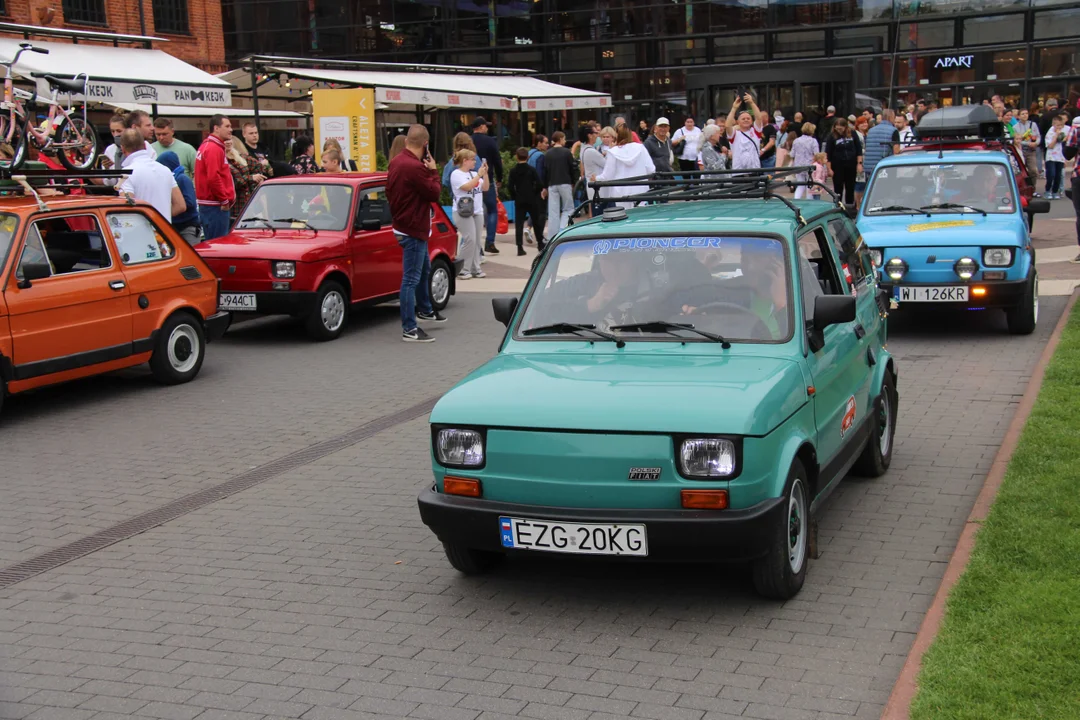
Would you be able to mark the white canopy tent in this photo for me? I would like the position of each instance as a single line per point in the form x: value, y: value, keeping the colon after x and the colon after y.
x: 120, y: 74
x: 432, y: 86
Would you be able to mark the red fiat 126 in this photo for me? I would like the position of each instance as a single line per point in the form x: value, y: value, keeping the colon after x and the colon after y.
x: 312, y: 246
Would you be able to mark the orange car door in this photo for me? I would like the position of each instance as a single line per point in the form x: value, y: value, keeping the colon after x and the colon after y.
x: 375, y: 252
x: 77, y: 316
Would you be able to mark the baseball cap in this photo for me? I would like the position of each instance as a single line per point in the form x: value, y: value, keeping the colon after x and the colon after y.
x: 1076, y: 121
x: 831, y: 108
x: 663, y: 121
x: 478, y: 121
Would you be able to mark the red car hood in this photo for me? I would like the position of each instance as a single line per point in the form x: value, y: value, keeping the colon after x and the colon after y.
x: 298, y: 245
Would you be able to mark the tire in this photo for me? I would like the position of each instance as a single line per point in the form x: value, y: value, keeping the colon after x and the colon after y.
x: 781, y: 572
x: 468, y: 561
x: 331, y: 312
x: 1023, y: 318
x: 877, y: 455
x: 18, y: 142
x: 440, y: 284
x: 178, y: 350
x: 76, y: 158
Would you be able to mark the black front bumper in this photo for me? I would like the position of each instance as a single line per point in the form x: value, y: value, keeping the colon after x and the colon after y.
x: 216, y: 325
x: 673, y: 535
x: 999, y: 294
x: 280, y: 302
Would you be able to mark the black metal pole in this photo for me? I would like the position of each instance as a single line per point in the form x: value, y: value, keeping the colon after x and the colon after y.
x: 142, y: 18
x: 255, y: 92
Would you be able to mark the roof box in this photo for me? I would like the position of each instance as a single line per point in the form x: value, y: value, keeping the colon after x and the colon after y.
x: 960, y: 122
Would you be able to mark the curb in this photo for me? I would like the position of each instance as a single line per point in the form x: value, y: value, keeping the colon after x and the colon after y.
x: 904, y: 690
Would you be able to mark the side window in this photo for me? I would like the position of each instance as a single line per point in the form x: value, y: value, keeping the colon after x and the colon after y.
x: 851, y: 251
x: 138, y: 240
x: 68, y: 244
x: 374, y: 206
x: 816, y: 261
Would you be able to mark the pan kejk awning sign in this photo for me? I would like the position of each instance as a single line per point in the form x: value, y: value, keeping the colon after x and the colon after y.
x: 108, y: 91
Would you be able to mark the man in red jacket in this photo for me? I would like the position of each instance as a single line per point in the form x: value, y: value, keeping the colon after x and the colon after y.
x: 411, y: 186
x: 214, y: 188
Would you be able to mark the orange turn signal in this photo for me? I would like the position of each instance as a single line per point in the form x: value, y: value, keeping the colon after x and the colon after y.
x: 461, y: 486
x: 704, y: 499
x: 978, y: 291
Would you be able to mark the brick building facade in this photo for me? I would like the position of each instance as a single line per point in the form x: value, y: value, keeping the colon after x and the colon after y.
x: 192, y: 27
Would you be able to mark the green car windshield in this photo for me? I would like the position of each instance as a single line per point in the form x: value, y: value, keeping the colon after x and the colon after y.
x: 942, y: 188
x: 734, y: 287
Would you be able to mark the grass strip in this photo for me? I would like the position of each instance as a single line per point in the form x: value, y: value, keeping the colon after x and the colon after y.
x: 1009, y: 645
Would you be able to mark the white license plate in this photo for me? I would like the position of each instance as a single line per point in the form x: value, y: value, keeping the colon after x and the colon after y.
x: 237, y: 302
x: 943, y: 293
x: 577, y: 538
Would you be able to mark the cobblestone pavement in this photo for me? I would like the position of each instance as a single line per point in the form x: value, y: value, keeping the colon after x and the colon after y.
x: 318, y: 594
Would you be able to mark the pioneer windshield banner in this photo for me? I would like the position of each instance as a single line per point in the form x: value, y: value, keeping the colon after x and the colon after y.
x: 147, y: 93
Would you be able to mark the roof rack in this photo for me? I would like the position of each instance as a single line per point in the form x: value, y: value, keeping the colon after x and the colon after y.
x: 29, y: 182
x: 742, y: 184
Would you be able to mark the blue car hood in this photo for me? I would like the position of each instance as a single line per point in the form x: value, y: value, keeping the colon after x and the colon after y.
x: 637, y: 391
x: 943, y: 230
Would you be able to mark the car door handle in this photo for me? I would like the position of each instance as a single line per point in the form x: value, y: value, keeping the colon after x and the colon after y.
x: 117, y: 284
x: 860, y: 331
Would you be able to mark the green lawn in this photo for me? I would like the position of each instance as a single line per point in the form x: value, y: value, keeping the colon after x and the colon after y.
x: 1009, y: 646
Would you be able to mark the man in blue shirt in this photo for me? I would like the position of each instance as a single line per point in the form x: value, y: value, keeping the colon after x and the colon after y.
x: 187, y: 222
x: 882, y: 140
x: 488, y: 149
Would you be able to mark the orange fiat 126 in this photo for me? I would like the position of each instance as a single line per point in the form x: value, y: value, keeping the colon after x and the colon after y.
x: 91, y: 284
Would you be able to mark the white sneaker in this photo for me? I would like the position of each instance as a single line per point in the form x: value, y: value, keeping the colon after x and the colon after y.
x: 483, y: 259
x: 480, y: 275
x: 464, y: 276
x: 529, y: 239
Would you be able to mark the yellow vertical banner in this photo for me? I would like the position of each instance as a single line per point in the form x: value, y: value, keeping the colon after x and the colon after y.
x: 348, y: 116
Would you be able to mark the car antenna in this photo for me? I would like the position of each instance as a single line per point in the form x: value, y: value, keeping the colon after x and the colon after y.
x: 941, y: 137
x: 21, y: 179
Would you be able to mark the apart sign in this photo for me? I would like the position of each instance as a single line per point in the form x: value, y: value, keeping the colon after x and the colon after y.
x: 954, y: 61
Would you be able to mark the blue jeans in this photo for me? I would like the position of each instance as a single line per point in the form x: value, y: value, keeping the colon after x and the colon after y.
x: 769, y: 162
x: 1055, y: 174
x: 415, y: 279
x: 215, y: 221
x: 491, y: 214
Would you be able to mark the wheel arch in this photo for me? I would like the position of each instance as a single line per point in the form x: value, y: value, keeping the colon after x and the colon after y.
x: 339, y: 275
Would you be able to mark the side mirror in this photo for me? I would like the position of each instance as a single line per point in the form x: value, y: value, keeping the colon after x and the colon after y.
x: 369, y: 224
x: 34, y: 271
x: 833, y: 309
x: 504, y: 308
x: 1038, y: 205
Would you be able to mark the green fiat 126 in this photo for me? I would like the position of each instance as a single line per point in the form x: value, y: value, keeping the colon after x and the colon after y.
x: 680, y: 381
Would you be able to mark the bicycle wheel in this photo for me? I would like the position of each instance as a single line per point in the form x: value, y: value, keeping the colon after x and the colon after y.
x: 16, y: 141
x: 76, y: 144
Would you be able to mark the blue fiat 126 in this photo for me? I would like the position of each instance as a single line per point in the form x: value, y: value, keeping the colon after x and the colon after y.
x: 945, y: 221
x: 683, y: 381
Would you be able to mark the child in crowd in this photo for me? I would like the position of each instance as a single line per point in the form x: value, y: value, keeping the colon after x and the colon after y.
x: 820, y: 174
x: 525, y: 187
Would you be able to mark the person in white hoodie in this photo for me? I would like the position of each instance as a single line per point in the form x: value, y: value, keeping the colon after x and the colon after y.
x: 626, y: 159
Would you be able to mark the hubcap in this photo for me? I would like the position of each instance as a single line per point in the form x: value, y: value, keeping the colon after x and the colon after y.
x: 884, y: 423
x: 333, y: 311
x: 440, y: 285
x: 183, y: 348
x: 797, y: 526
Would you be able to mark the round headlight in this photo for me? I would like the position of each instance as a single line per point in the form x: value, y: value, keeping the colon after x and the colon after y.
x: 997, y: 257
x: 875, y: 257
x: 896, y: 268
x: 966, y: 268
x: 708, y: 457
x: 459, y: 448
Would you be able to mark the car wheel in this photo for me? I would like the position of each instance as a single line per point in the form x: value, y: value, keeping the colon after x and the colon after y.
x: 440, y: 284
x: 470, y: 561
x: 877, y: 455
x: 179, y: 349
x: 1023, y: 318
x: 781, y: 572
x: 327, y: 318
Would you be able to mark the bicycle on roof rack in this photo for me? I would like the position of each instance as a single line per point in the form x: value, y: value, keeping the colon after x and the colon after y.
x: 742, y: 184
x: 71, y: 136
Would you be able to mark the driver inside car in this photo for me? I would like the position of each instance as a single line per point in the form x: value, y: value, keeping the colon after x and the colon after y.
x: 612, y: 292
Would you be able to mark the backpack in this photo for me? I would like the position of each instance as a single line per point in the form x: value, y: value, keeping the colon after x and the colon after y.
x: 533, y: 154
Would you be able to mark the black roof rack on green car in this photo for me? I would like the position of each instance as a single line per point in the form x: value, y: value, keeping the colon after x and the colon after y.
x: 744, y: 184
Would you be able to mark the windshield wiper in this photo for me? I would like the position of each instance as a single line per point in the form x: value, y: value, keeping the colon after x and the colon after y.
x: 261, y: 219
x: 565, y: 327
x: 953, y: 206
x: 898, y: 208
x: 297, y: 220
x: 670, y: 327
